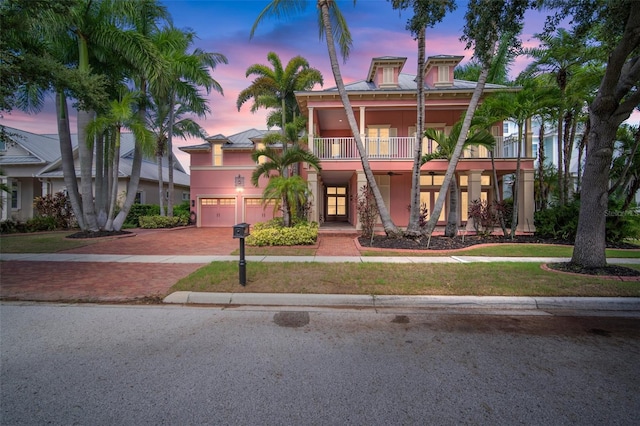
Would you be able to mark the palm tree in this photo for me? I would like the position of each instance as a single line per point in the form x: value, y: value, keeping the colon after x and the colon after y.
x: 158, y: 123
x: 334, y: 25
x: 559, y: 57
x: 446, y: 147
x: 274, y: 87
x: 277, y: 164
x: 105, y: 27
x: 519, y: 106
x: 178, y: 86
x: 425, y: 14
x: 487, y: 22
x: 122, y: 113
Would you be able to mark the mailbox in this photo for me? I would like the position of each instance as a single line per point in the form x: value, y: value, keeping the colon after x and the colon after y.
x: 240, y: 230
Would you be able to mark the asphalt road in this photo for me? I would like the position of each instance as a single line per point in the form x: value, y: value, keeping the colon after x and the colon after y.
x: 138, y: 365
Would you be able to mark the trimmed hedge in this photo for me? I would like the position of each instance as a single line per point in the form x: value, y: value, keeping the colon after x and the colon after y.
x: 272, y: 233
x: 154, y: 222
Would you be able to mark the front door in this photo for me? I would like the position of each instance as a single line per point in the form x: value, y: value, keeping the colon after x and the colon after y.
x: 336, y: 204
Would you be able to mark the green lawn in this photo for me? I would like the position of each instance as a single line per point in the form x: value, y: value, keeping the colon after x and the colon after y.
x: 515, y: 279
x: 48, y: 242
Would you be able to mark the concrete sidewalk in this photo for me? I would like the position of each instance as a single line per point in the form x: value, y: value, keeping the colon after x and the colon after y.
x: 128, y: 258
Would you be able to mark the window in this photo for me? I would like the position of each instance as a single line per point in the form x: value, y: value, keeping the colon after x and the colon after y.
x: 186, y: 196
x: 379, y: 140
x: 443, y: 74
x: 388, y: 76
x: 216, y: 149
x: 3, y: 145
x: 431, y: 180
x: 260, y: 146
x: 505, y: 128
x: 139, y: 198
x: 15, y: 195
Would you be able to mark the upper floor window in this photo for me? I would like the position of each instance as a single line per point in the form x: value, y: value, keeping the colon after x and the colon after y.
x: 216, y: 150
x: 260, y: 146
x: 388, y: 76
x: 443, y: 74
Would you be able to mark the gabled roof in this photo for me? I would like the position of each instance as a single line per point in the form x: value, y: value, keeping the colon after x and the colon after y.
x: 42, y: 149
x: 45, y: 150
x: 242, y: 140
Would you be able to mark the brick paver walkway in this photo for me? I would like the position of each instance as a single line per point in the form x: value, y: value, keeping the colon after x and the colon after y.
x: 93, y: 281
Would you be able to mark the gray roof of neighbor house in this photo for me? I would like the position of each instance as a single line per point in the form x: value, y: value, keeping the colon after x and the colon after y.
x: 42, y: 149
x: 45, y: 150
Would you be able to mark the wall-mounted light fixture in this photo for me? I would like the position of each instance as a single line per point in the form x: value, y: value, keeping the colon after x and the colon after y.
x: 239, y: 183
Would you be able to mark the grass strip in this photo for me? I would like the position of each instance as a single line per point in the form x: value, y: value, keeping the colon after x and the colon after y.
x: 479, y: 279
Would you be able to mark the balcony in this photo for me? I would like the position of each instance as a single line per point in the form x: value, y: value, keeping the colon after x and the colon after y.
x: 392, y: 148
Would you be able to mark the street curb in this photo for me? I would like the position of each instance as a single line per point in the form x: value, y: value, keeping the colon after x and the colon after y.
x: 410, y: 302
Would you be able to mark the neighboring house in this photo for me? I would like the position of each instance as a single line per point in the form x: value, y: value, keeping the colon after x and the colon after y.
x: 31, y: 166
x: 384, y: 104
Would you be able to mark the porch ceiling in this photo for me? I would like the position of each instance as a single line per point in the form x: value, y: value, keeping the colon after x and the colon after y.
x: 336, y: 177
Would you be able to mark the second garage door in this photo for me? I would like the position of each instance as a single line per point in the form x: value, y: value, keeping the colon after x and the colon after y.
x: 255, y: 211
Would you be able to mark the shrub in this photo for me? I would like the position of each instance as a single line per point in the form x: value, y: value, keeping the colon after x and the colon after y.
x: 56, y: 209
x: 154, y: 222
x: 561, y: 222
x: 558, y: 222
x: 138, y: 210
x: 41, y: 223
x: 272, y: 233
x: 9, y: 227
x: 367, y: 211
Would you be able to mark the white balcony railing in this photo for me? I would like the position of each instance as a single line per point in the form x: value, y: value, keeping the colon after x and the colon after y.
x: 392, y: 148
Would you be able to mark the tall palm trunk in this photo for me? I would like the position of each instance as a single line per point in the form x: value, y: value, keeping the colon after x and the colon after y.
x: 451, y: 229
x: 516, y: 184
x: 497, y: 197
x: 85, y: 154
x: 132, y: 187
x: 466, y: 124
x: 159, y: 158
x: 66, y: 155
x: 413, y: 228
x: 170, y: 155
x: 541, y: 159
x: 560, y: 162
x: 101, y: 201
x: 113, y: 197
x: 389, y: 227
x: 84, y: 151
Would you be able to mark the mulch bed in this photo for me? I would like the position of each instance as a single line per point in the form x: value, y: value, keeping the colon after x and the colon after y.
x: 98, y: 234
x: 446, y: 243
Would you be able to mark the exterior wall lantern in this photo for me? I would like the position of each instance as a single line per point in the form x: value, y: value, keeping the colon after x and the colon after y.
x: 241, y: 231
x: 239, y: 183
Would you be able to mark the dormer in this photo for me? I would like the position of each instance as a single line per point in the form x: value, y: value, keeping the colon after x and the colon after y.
x: 384, y: 71
x: 439, y: 70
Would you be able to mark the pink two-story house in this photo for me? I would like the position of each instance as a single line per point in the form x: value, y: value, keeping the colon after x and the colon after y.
x: 384, y: 104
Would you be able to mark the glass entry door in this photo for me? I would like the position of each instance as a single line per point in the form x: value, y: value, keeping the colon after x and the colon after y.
x: 336, y: 203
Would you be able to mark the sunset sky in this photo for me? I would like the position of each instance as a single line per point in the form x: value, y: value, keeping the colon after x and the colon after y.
x: 223, y: 27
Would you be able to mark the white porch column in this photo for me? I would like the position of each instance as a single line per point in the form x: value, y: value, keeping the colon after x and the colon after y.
x: 526, y: 205
x: 362, y: 122
x: 6, y: 198
x: 528, y: 140
x: 474, y: 191
x: 361, y: 181
x: 311, y: 132
x: 312, y: 183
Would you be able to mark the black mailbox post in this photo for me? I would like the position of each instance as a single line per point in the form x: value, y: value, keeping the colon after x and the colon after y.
x: 241, y: 231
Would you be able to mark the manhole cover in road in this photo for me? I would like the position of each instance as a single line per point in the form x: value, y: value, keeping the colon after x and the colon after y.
x: 401, y: 319
x: 291, y: 319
